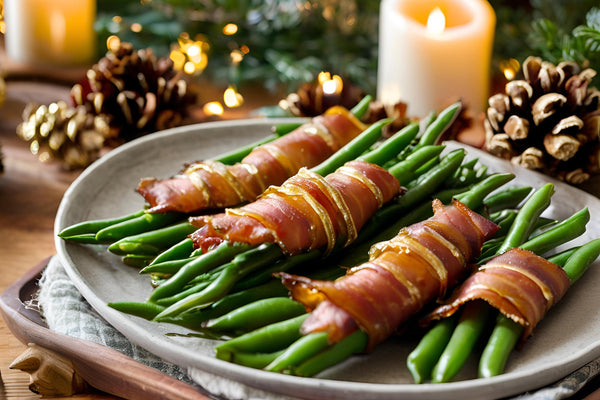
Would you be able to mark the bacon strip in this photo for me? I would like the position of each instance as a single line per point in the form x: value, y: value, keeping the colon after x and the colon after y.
x: 401, y: 276
x: 210, y: 184
x: 306, y: 212
x: 520, y: 284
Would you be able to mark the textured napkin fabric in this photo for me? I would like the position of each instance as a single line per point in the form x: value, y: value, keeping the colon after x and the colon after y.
x: 66, y: 312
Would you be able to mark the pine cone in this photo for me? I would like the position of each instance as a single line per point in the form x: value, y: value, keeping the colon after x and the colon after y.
x: 59, y: 132
x: 548, y: 121
x: 310, y: 99
x: 138, y: 91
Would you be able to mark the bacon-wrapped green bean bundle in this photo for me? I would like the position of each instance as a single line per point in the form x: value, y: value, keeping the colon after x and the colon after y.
x: 306, y: 212
x: 212, y: 184
x: 401, y: 276
x: 520, y: 284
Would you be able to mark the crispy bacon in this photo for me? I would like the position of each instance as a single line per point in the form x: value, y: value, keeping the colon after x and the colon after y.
x: 211, y: 184
x: 520, y: 284
x: 306, y: 212
x: 401, y: 276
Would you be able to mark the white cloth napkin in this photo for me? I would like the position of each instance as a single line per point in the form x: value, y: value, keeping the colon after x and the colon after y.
x: 67, y: 312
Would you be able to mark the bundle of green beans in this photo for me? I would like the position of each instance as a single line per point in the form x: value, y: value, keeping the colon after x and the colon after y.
x: 445, y: 348
x: 109, y: 230
x: 201, y: 280
x: 308, y: 355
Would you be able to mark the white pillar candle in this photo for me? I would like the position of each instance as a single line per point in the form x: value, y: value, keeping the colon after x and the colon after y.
x: 50, y: 32
x: 429, y: 66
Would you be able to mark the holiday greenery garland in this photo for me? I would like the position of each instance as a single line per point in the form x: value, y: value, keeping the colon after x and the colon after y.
x: 289, y: 42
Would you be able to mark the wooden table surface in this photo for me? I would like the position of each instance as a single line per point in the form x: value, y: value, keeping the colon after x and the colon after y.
x: 30, y: 193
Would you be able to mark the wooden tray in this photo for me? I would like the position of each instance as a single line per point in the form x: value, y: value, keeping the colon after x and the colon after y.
x: 101, y: 367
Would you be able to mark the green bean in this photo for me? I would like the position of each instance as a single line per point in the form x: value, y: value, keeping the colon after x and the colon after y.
x: 154, y: 241
x: 361, y: 108
x: 531, y: 210
x: 562, y: 257
x: 353, y: 149
x: 282, y: 265
x: 507, y: 332
x: 568, y: 229
x: 502, y: 340
x: 471, y: 323
x: 507, y: 198
x: 137, y: 260
x: 182, y: 249
x: 252, y: 360
x: 468, y: 329
x: 232, y: 301
x: 581, y: 259
x: 299, y: 351
x: 391, y: 146
x: 134, y: 226
x: 225, y: 252
x: 406, y: 170
x: 167, y: 268
x: 241, y: 265
x: 424, y: 357
x: 257, y: 314
x: 474, y: 197
x: 93, y: 226
x: 267, y: 339
x: 426, y: 184
x: 139, y: 309
x: 352, y: 344
x: 440, y: 125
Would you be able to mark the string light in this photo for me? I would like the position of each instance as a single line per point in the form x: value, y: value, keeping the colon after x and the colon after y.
x: 113, y: 43
x: 230, y: 29
x: 510, y: 68
x: 136, y: 27
x: 191, y: 55
x: 213, y: 108
x: 232, y: 98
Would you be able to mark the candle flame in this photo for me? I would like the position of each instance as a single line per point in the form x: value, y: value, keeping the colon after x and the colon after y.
x: 330, y: 85
x: 436, y: 22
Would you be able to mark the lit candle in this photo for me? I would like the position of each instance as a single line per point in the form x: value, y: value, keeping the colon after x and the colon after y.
x: 432, y: 52
x: 50, y: 32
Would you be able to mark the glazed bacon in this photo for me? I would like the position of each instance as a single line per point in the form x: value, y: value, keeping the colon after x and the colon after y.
x: 401, y: 276
x: 211, y: 184
x: 307, y: 212
x: 520, y: 284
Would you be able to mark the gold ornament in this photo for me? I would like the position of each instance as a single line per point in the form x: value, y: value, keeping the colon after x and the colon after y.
x: 549, y: 121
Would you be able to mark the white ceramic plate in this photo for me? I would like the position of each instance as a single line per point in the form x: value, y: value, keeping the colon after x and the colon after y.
x: 566, y: 339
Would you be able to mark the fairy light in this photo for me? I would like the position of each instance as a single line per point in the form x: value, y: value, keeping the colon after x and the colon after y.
x: 436, y: 22
x: 230, y: 29
x: 330, y: 84
x: 191, y: 55
x: 510, y: 68
x: 232, y: 98
x: 189, y: 68
x: 136, y: 27
x: 236, y: 57
x: 213, y: 108
x: 113, y: 43
x: 178, y: 59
